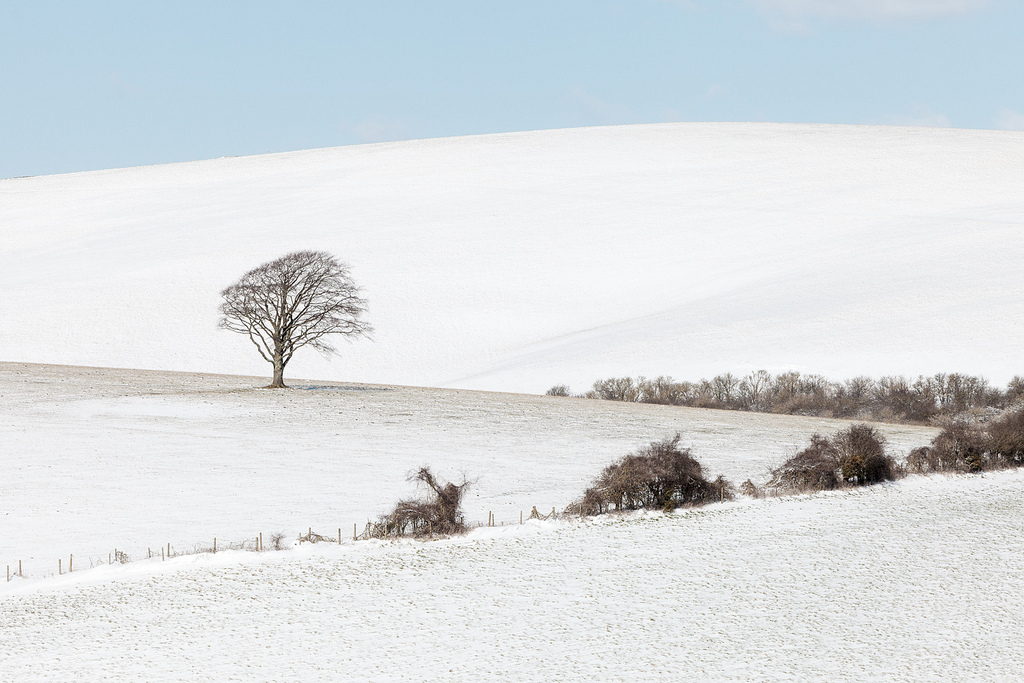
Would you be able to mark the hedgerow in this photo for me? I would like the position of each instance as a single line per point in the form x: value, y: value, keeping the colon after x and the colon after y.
x: 889, y: 399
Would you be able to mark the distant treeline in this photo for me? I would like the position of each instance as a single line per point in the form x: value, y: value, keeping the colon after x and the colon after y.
x: 889, y: 399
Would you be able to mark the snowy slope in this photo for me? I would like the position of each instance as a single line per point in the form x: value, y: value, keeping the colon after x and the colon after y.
x: 99, y: 459
x: 917, y: 581
x: 517, y: 261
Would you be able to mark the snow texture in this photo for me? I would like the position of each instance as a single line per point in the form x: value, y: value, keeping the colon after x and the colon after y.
x: 102, y: 459
x: 514, y: 262
x: 510, y: 263
x: 908, y: 582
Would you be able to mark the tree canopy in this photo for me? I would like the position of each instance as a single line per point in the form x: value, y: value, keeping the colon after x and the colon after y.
x: 300, y: 299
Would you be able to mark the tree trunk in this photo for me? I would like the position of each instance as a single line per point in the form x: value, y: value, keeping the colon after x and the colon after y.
x: 278, y: 381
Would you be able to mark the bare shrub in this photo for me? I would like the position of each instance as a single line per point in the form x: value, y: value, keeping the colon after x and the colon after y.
x: 755, y: 391
x: 592, y: 503
x: 440, y: 513
x: 311, y: 537
x: 725, y: 390
x: 723, y: 488
x: 659, y: 476
x: 1006, y: 438
x: 813, y: 469
x: 855, y: 455
x: 907, y: 401
x: 852, y: 397
x: 615, y: 389
x: 558, y: 390
x: 959, y: 447
x: 922, y: 460
x: 662, y: 390
x: 1014, y: 390
x: 964, y: 445
x: 749, y: 488
x: 277, y: 541
x: 860, y: 454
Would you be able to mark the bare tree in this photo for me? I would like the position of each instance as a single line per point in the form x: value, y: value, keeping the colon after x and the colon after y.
x: 754, y: 390
x: 297, y: 300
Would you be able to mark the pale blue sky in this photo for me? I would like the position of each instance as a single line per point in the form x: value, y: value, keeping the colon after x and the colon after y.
x: 107, y: 84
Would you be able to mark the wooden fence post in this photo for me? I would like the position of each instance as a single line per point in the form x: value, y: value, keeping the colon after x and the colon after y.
x: 261, y: 541
x: 71, y: 559
x: 214, y: 545
x: 354, y: 534
x: 59, y: 570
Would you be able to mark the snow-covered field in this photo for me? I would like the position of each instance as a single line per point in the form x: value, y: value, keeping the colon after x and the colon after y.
x: 98, y: 459
x: 517, y: 261
x: 917, y: 581
x: 506, y: 263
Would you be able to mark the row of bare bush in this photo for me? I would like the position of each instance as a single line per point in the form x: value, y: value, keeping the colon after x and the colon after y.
x: 892, y: 399
x: 857, y: 456
x: 665, y: 475
x: 964, y: 446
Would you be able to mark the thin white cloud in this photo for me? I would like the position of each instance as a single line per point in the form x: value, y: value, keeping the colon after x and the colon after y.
x: 696, y: 5
x: 800, y: 15
x: 121, y: 86
x: 920, y: 116
x: 377, y: 129
x: 797, y: 10
x: 715, y: 91
x: 1007, y: 119
x: 585, y: 108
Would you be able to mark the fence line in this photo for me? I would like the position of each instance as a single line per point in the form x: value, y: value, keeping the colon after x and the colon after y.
x: 255, y: 544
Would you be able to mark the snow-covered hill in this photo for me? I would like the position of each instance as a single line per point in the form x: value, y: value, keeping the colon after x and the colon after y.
x: 894, y: 582
x: 916, y: 581
x: 518, y: 261
x: 97, y: 459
